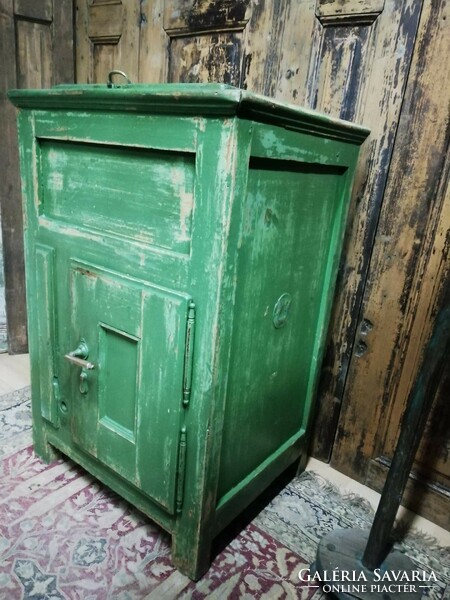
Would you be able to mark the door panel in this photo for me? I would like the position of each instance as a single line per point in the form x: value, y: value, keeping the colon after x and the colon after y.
x: 205, y: 40
x: 108, y: 39
x: 126, y: 410
x: 36, y: 50
x: 357, y: 72
x: 34, y: 43
x: 76, y: 175
x: 408, y: 264
x: 200, y: 59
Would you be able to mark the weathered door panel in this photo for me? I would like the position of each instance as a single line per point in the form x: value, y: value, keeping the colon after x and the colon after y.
x: 205, y: 40
x: 108, y: 38
x: 401, y: 299
x: 126, y: 410
x: 36, y: 50
x: 358, y: 69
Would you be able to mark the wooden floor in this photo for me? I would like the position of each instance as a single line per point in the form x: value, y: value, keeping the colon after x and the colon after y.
x: 15, y: 374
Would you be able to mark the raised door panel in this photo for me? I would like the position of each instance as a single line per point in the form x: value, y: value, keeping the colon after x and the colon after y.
x: 126, y: 404
x: 138, y: 194
x: 205, y: 40
x: 240, y: 43
x: 108, y: 39
x: 291, y: 228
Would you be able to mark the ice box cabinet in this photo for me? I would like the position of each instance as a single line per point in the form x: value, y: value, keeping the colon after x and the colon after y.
x: 182, y: 243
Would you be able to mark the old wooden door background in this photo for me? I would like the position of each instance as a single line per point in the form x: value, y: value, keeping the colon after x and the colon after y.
x: 381, y: 63
x: 36, y: 50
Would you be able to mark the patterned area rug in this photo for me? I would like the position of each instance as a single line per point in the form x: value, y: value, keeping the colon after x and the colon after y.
x: 65, y: 536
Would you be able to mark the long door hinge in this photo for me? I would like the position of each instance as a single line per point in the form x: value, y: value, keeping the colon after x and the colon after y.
x: 188, y: 354
x: 182, y: 443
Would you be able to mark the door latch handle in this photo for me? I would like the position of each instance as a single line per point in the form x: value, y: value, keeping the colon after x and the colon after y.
x: 78, y: 358
x: 80, y: 362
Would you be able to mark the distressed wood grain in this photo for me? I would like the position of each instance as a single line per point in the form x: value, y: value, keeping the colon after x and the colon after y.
x: 184, y: 17
x: 36, y: 49
x: 297, y: 53
x: 409, y: 259
x: 210, y: 57
x: 153, y: 42
x: 107, y: 39
x: 360, y: 12
x: 372, y: 66
x: 38, y: 11
x: 206, y: 40
x: 63, y: 30
x: 264, y: 41
x: 105, y: 23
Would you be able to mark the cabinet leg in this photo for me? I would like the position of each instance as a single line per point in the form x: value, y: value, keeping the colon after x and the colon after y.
x: 42, y: 448
x: 302, y: 461
x: 190, y: 557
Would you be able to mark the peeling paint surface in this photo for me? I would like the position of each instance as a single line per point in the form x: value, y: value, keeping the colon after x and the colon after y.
x: 140, y: 246
x: 145, y: 196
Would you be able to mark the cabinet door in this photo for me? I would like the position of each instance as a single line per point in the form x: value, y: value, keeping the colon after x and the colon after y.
x: 126, y: 404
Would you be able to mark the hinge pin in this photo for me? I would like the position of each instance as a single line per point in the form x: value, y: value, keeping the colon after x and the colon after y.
x: 188, y: 354
x: 181, y: 468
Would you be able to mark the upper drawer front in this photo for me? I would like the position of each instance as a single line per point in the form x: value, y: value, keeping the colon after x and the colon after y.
x: 142, y: 194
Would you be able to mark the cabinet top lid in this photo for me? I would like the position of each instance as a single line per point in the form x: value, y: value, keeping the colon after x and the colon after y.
x: 193, y: 99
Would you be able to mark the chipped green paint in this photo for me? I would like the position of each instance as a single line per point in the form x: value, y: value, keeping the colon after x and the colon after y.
x: 139, y: 202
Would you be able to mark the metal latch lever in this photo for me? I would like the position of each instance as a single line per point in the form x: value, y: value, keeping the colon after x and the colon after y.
x: 78, y: 357
x: 80, y: 362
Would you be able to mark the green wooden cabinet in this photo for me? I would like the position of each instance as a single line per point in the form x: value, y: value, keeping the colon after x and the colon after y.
x: 182, y: 243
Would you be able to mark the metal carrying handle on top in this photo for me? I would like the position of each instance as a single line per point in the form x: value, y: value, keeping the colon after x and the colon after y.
x: 110, y: 82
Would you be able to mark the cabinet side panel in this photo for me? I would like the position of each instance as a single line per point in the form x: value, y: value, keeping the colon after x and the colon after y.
x: 292, y: 218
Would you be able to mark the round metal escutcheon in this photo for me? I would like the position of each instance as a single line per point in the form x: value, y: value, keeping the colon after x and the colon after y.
x: 281, y: 310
